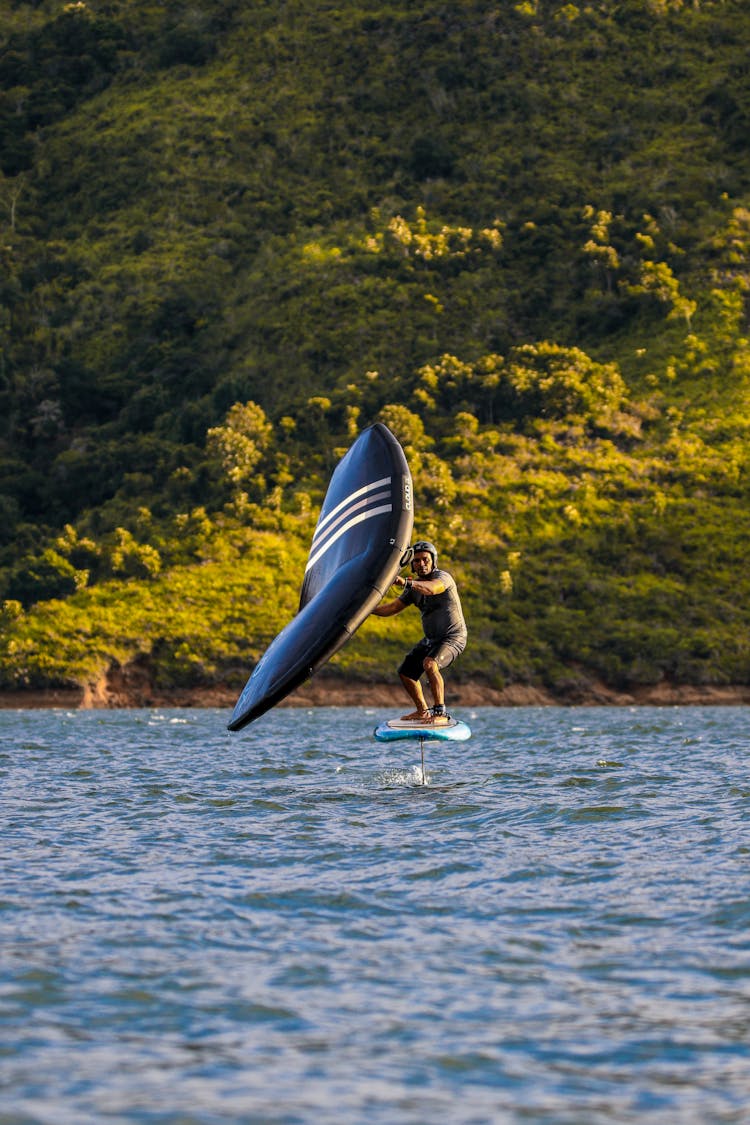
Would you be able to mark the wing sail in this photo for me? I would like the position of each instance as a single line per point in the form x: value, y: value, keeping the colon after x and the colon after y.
x: 363, y: 530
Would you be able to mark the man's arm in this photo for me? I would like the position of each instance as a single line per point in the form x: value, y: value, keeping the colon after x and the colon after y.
x: 387, y: 609
x: 425, y: 586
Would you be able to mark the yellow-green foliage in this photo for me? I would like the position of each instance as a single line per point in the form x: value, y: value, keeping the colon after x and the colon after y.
x: 231, y: 236
x: 194, y: 624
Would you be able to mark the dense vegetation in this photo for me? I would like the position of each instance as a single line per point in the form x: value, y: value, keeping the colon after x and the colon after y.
x: 232, y: 235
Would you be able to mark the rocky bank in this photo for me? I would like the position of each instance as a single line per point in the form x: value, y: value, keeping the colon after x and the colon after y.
x: 132, y: 686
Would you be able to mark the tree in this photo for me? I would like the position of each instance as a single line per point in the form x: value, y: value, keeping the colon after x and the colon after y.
x: 658, y: 281
x: 49, y: 575
x: 240, y: 443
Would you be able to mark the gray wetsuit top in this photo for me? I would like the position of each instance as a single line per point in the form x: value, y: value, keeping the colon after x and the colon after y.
x: 442, y: 616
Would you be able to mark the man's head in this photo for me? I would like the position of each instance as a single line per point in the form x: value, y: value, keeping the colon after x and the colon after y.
x: 424, y: 560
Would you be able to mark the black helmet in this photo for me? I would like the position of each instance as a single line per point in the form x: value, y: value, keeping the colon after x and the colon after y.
x: 423, y: 545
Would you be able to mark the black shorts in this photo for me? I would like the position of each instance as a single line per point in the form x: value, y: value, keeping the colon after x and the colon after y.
x: 442, y: 652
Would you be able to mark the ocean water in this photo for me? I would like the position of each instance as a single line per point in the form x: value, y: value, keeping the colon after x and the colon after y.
x: 286, y: 926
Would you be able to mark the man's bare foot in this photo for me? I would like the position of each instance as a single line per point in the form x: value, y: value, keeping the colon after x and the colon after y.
x: 417, y: 717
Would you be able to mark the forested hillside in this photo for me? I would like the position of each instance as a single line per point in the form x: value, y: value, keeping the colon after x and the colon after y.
x: 234, y: 234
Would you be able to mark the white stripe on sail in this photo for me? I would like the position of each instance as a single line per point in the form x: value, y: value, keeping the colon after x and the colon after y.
x: 344, y: 528
x: 318, y: 539
x: 348, y: 499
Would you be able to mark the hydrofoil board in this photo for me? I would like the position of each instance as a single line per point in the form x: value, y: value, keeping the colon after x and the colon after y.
x: 391, y: 730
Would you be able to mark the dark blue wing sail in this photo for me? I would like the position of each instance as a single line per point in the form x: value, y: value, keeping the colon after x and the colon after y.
x: 363, y: 530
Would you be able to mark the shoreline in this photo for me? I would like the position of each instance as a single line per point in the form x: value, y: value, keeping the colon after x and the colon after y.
x: 125, y: 688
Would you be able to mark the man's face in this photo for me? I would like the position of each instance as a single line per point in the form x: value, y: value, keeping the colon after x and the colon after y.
x: 421, y: 564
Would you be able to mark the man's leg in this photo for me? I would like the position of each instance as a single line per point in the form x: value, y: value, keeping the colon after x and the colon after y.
x: 436, y: 682
x: 441, y: 656
x: 413, y: 689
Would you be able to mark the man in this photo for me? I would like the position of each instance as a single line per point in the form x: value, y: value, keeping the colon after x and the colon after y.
x: 435, y: 595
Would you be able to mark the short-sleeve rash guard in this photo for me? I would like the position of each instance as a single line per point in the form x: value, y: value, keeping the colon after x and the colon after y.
x: 442, y: 616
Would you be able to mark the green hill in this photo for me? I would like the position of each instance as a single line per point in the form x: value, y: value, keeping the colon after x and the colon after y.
x: 233, y: 235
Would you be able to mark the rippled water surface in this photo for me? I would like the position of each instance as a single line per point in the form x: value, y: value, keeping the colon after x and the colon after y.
x: 286, y: 926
